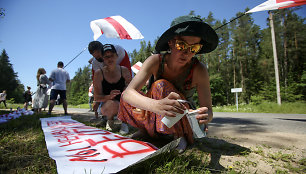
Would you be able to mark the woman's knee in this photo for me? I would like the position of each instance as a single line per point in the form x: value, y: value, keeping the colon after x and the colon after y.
x: 110, y: 108
x: 162, y: 87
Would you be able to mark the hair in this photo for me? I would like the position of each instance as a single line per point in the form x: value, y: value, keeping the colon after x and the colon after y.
x: 28, y: 87
x: 39, y: 72
x: 94, y: 45
x: 60, y: 64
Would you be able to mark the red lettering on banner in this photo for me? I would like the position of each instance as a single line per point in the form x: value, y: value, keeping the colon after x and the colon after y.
x: 70, y: 143
x: 83, y: 127
x: 79, y: 149
x: 85, y: 154
x: 94, y: 143
x: 65, y: 123
x: 65, y: 139
x: 62, y: 131
x: 127, y: 152
x: 98, y: 132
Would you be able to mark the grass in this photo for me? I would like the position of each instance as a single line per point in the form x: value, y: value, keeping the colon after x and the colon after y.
x: 23, y: 148
x: 265, y: 107
x: 82, y: 106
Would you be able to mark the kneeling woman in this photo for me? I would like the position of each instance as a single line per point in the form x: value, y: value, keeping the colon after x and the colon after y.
x: 177, y: 75
x: 109, y: 83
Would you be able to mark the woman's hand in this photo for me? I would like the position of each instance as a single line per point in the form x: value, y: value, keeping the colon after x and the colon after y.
x: 204, y: 116
x: 114, y: 93
x: 169, y: 106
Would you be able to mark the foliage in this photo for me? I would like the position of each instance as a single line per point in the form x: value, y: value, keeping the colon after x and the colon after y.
x: 244, y: 59
x: 77, y: 90
x: 9, y: 80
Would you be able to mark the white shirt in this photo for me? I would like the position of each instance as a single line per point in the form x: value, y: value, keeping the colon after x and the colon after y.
x: 2, y: 96
x: 59, y: 77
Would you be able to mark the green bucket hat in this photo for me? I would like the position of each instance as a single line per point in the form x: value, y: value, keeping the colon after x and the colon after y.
x: 189, y: 26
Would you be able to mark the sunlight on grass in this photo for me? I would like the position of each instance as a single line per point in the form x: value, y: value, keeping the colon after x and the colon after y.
x: 266, y: 107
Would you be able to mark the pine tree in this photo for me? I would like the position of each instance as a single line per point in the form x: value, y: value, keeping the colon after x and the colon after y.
x: 77, y: 90
x: 8, y: 79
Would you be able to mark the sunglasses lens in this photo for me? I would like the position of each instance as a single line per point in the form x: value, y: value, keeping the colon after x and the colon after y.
x: 180, y: 45
x: 195, y: 48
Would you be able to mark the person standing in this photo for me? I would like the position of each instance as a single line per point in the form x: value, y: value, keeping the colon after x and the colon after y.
x: 59, y: 77
x: 90, y: 97
x: 41, y: 98
x: 27, y: 97
x: 3, y: 98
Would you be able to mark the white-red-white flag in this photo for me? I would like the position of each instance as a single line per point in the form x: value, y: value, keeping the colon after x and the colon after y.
x: 277, y: 4
x: 136, y: 67
x: 115, y: 27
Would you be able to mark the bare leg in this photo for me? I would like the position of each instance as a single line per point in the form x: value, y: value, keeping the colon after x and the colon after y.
x: 65, y: 106
x: 110, y: 109
x: 51, y: 105
x: 26, y: 105
x: 95, y: 108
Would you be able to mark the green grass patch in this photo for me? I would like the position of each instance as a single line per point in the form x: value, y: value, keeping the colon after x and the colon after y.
x: 81, y: 106
x: 14, y: 106
x: 23, y: 148
x: 265, y: 107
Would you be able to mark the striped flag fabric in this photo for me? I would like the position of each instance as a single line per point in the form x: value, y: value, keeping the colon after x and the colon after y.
x: 115, y: 27
x: 277, y: 4
x: 136, y: 67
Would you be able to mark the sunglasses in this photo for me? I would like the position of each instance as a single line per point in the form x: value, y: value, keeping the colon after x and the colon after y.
x: 181, y: 46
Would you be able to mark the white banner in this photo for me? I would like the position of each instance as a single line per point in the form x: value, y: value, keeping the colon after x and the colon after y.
x: 15, y: 114
x: 78, y: 148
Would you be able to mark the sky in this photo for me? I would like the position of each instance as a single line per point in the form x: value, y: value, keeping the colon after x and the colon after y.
x: 39, y: 33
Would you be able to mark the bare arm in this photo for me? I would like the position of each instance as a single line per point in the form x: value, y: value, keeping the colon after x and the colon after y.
x: 166, y: 107
x: 90, y: 60
x: 126, y: 75
x: 201, y: 78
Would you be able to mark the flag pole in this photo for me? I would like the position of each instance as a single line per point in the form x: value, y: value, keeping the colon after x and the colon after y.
x: 230, y: 21
x: 275, y: 59
x: 75, y: 57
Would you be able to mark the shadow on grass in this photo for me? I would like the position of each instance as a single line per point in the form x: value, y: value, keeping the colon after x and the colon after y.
x: 216, y: 148
x: 202, y: 157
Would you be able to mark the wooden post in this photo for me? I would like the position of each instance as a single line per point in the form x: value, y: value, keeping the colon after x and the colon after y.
x: 275, y: 59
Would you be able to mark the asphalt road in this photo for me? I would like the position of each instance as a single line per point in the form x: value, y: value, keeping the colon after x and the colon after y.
x: 261, y: 122
x: 242, y: 122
